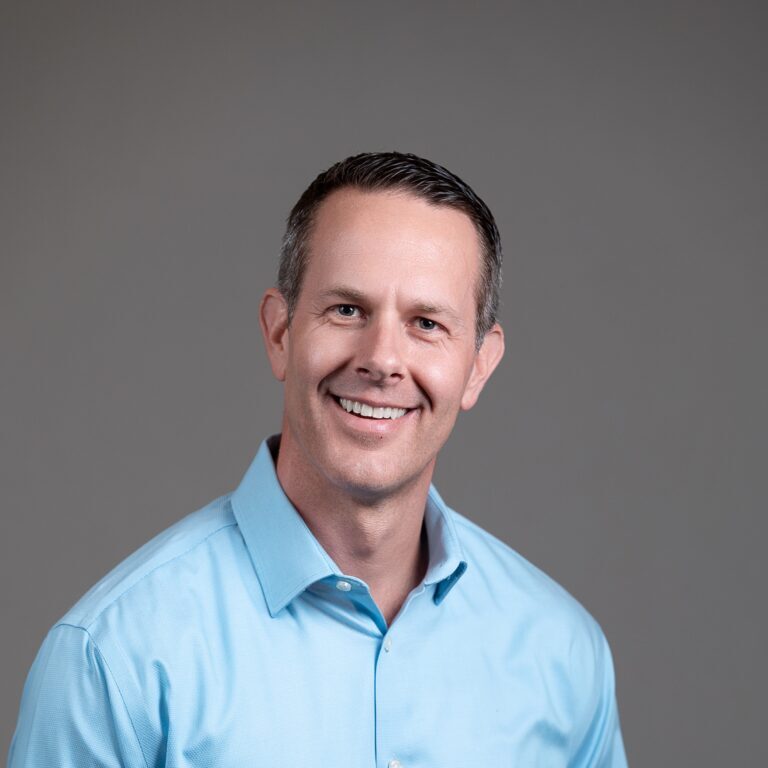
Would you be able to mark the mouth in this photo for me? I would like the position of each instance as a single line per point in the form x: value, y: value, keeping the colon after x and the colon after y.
x: 374, y: 412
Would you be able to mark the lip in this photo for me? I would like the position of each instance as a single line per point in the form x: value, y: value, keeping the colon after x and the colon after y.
x: 379, y: 427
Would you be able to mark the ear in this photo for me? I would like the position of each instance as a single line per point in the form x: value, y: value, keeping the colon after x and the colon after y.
x: 273, y: 318
x: 486, y: 360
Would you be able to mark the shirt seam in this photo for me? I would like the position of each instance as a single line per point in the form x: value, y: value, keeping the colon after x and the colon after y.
x: 108, y: 667
x: 86, y: 625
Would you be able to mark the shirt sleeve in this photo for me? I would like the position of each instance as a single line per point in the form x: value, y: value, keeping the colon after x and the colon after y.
x: 603, y: 746
x: 72, y: 712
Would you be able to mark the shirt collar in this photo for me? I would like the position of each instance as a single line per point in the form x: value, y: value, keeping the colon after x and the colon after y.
x: 287, y: 556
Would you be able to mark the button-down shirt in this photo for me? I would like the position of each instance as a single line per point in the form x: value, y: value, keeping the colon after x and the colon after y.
x: 232, y: 639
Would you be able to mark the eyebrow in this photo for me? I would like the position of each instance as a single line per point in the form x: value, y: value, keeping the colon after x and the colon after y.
x: 343, y: 292
x: 347, y: 293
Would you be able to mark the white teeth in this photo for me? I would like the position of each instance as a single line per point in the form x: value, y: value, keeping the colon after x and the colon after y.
x: 352, y: 406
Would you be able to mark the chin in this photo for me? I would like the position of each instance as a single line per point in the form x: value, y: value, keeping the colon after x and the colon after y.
x: 365, y: 480
x: 373, y: 479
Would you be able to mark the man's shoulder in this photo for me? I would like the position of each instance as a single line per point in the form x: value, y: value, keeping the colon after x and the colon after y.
x: 513, y: 583
x: 158, y: 574
x: 534, y: 624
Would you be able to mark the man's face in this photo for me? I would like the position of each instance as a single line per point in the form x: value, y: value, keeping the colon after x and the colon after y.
x: 380, y: 354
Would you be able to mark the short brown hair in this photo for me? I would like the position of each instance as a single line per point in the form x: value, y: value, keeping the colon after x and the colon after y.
x: 373, y: 171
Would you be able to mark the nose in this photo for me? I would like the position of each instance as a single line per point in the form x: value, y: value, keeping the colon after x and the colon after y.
x: 380, y: 357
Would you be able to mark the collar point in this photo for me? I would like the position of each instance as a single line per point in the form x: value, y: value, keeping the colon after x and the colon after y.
x: 447, y: 584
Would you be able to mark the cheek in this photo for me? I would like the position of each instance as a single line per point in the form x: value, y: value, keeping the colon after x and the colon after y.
x: 443, y: 382
x: 314, y: 357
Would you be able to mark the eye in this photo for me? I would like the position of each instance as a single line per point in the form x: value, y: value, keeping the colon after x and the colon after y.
x: 425, y: 324
x: 346, y: 310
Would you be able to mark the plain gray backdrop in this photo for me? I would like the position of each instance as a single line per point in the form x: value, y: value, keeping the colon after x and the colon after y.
x: 150, y: 154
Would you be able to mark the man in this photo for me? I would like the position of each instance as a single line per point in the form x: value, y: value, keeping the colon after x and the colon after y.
x: 333, y: 610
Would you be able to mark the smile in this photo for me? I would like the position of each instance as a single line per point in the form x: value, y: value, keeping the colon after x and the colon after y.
x: 369, y: 411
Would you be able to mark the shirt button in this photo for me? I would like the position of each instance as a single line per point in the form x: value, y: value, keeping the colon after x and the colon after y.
x: 394, y: 764
x: 343, y: 586
x: 388, y: 648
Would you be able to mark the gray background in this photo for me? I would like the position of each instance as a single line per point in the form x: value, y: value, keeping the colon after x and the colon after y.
x: 150, y: 153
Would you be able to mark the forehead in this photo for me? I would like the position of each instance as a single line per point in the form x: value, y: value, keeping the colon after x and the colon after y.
x: 353, y: 229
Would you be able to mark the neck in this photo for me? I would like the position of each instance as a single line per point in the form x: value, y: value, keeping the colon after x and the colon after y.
x: 379, y: 539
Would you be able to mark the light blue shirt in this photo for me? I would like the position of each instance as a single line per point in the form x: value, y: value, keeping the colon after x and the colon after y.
x: 233, y: 640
